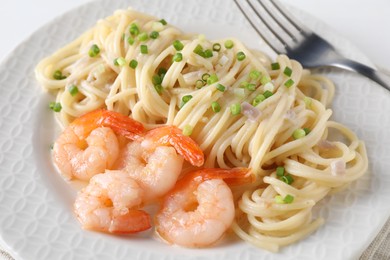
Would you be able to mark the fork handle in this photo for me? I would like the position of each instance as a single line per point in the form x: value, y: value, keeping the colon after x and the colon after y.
x: 375, y: 75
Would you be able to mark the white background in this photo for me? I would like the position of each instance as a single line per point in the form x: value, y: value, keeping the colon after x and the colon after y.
x: 363, y: 22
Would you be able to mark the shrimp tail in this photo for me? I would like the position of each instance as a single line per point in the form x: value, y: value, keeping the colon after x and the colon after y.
x: 184, y: 145
x: 133, y: 221
x: 234, y: 176
x: 120, y: 124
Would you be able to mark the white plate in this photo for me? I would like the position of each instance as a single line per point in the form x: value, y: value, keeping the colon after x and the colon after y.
x: 36, y: 219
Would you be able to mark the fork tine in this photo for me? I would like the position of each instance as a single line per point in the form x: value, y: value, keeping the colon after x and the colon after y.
x: 300, y: 27
x: 261, y: 25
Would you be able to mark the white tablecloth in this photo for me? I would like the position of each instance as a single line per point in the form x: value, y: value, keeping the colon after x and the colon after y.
x: 364, y: 23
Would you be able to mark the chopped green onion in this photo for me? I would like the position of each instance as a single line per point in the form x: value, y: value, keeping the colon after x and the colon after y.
x: 212, y: 79
x: 199, y: 83
x: 162, y: 71
x: 208, y: 53
x: 221, y: 87
x: 187, y: 130
x: 143, y: 37
x: 235, y: 109
x: 216, y: 47
x: 73, y: 90
x: 287, y: 179
x: 94, y: 51
x: 287, y: 71
x: 215, y: 107
x: 299, y: 133
x: 258, y: 99
x: 205, y: 76
x: 279, y: 171
x: 265, y: 79
x: 133, y: 64
x: 186, y: 98
x: 55, y: 106
x: 157, y: 80
x: 177, y: 57
x: 244, y: 84
x: 289, y: 83
x: 307, y: 101
x: 288, y: 199
x: 275, y: 66
x: 58, y: 75
x: 163, y: 22
x: 229, y: 44
x: 241, y: 56
x: 144, y: 49
x: 158, y: 88
x: 250, y: 87
x: 178, y: 45
x: 267, y: 94
x: 307, y: 130
x: 279, y: 199
x: 199, y: 50
x: 134, y: 30
x: 119, y: 61
x: 154, y: 35
x: 130, y: 40
x: 254, y: 74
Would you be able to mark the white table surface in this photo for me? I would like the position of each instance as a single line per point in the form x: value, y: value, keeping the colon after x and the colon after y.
x: 364, y: 23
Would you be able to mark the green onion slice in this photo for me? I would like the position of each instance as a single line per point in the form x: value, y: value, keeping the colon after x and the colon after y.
x: 235, y: 109
x: 159, y: 89
x: 279, y: 171
x: 220, y: 87
x: 143, y: 37
x: 216, y: 47
x: 94, y: 51
x: 241, y: 56
x: 55, y: 106
x: 199, y: 84
x: 289, y: 83
x: 73, y: 90
x: 229, y: 44
x: 215, y: 107
x: 187, y: 130
x: 144, y: 49
x: 133, y: 64
x: 212, y: 79
x: 58, y: 75
x: 177, y: 57
x: 134, y: 30
x: 178, y: 45
x: 287, y: 71
x: 154, y: 35
x: 299, y: 133
x: 275, y: 66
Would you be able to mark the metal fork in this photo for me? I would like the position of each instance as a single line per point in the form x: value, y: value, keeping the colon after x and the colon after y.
x: 285, y: 35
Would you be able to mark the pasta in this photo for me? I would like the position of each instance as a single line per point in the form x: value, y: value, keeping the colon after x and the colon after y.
x: 242, y: 108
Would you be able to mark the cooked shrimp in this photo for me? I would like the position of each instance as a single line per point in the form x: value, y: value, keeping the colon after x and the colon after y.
x: 89, y: 145
x: 200, y: 208
x: 108, y: 203
x: 155, y: 160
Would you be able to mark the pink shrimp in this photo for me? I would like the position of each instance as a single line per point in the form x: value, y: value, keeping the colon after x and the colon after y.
x: 200, y: 208
x: 110, y: 203
x: 155, y: 159
x: 89, y: 145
